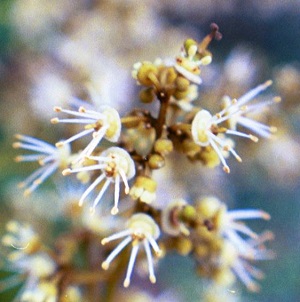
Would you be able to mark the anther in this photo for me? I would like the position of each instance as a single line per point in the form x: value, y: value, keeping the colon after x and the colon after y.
x: 54, y: 120
x: 57, y: 109
x: 66, y: 172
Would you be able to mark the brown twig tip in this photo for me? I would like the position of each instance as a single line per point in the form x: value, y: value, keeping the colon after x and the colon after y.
x: 215, y: 31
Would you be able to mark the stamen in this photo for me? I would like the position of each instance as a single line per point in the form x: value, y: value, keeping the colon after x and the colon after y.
x: 45, y: 172
x: 248, y: 214
x: 82, y: 169
x: 103, y: 189
x: 74, y: 137
x: 238, y: 133
x: 154, y: 245
x: 18, y: 145
x: 150, y: 262
x: 90, y: 188
x: 133, y: 255
x: 56, y: 120
x: 253, y: 93
x: 124, y: 178
x: 34, y: 141
x: 212, y: 137
x: 115, y: 236
x: 245, y: 277
x: 115, y: 252
x: 115, y: 209
x: 34, y: 157
x: 243, y: 229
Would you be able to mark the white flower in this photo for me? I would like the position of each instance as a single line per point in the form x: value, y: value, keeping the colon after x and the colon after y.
x: 205, y: 133
x: 170, y: 225
x: 238, y: 117
x: 48, y: 156
x: 240, y: 262
x: 231, y: 227
x: 141, y: 230
x: 241, y: 245
x: 100, y: 124
x: 21, y: 237
x: 115, y: 165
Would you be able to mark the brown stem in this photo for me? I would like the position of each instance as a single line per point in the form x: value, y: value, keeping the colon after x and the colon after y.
x: 161, y: 120
x: 112, y: 284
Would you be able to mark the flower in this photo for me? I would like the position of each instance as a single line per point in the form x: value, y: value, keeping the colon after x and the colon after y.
x: 27, y: 254
x: 237, y: 244
x: 49, y: 157
x: 188, y: 62
x: 22, y: 238
x: 171, y: 224
x: 141, y: 229
x: 205, y: 132
x: 237, y: 116
x: 116, y: 165
x: 100, y: 124
x: 226, y: 222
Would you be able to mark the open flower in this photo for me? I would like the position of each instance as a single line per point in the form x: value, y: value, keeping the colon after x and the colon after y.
x: 115, y: 165
x: 141, y: 230
x: 49, y: 157
x: 22, y: 238
x: 27, y: 252
x: 238, y: 117
x: 106, y: 123
x: 227, y: 222
x: 205, y: 133
x: 238, y: 245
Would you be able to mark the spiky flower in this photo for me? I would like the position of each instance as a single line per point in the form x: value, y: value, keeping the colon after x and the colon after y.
x: 105, y: 124
x: 205, y: 132
x: 115, y: 165
x: 49, y: 157
x: 239, y: 117
x: 238, y: 244
x: 27, y: 254
x: 141, y: 230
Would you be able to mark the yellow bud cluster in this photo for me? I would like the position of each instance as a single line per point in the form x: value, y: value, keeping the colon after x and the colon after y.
x: 144, y: 189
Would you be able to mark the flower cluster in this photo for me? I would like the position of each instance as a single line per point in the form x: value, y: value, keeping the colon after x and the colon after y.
x: 126, y: 152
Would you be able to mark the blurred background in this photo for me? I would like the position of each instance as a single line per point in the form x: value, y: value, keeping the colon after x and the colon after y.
x: 51, y: 50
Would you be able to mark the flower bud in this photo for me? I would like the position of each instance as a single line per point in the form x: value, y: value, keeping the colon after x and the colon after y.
x: 163, y: 146
x: 156, y: 161
x: 147, y: 95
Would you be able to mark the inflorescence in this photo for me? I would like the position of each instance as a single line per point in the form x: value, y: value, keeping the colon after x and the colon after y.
x: 214, y: 236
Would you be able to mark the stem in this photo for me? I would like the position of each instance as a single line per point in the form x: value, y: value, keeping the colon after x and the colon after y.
x: 87, y: 277
x: 112, y: 283
x: 161, y: 120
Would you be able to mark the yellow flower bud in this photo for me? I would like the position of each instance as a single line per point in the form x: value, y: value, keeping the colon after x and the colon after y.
x: 147, y: 95
x: 156, y: 161
x: 144, y: 73
x: 182, y: 84
x: 163, y: 146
